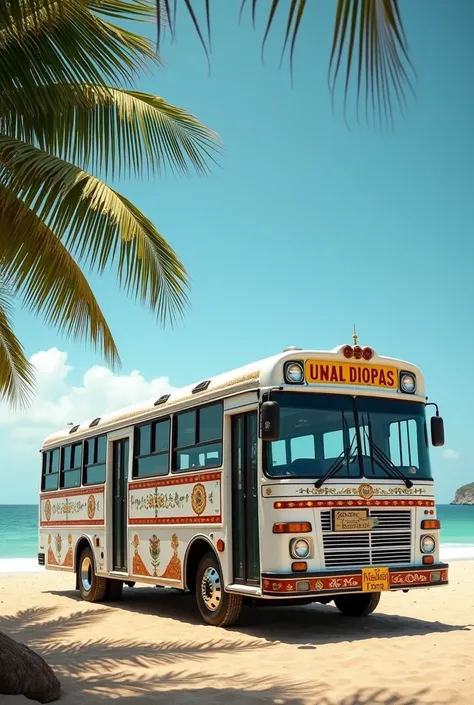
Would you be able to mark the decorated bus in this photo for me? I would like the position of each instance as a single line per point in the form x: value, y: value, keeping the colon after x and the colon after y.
x: 304, y: 477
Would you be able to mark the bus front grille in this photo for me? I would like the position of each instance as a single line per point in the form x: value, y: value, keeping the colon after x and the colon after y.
x: 389, y: 543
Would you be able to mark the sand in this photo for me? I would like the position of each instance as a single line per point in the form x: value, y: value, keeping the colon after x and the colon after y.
x: 418, y: 648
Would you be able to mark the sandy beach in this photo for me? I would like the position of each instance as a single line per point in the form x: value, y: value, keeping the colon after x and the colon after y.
x: 150, y: 648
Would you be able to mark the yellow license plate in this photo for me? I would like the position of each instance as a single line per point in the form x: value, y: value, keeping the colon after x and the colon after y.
x: 375, y: 579
x: 357, y: 374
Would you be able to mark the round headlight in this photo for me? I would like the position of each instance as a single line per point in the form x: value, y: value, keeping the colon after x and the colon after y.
x: 428, y: 544
x: 300, y: 548
x: 294, y: 373
x: 407, y: 382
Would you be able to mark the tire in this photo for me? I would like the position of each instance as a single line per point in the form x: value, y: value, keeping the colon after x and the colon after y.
x: 218, y: 608
x: 357, y: 605
x: 113, y: 591
x: 91, y: 586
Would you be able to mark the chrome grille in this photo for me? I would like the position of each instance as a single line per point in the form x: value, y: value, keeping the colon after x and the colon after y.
x: 388, y: 543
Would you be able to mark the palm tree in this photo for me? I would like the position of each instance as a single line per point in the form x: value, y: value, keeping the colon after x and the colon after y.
x: 368, y: 38
x: 69, y: 111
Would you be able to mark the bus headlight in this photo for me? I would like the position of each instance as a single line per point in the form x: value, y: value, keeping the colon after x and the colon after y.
x: 294, y: 373
x: 428, y: 544
x: 407, y: 382
x: 299, y: 548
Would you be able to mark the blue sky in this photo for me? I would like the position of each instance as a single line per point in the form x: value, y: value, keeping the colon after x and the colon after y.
x: 305, y: 227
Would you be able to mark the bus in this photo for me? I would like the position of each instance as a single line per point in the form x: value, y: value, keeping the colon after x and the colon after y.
x: 304, y: 477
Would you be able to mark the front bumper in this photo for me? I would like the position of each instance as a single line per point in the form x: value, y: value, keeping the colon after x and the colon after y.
x: 337, y: 583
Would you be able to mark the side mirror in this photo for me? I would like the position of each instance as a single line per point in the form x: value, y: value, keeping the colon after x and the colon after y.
x: 270, y: 421
x: 437, y: 431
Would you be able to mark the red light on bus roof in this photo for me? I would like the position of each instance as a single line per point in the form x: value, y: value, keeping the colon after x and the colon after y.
x: 357, y: 352
x: 347, y: 351
x: 367, y: 353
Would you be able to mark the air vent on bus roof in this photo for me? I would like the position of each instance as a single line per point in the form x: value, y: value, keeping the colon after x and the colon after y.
x: 74, y: 428
x: 94, y: 422
x: 162, y: 400
x: 202, y: 386
x: 291, y: 348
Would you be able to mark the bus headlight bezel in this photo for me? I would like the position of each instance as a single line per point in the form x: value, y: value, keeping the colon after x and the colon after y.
x: 427, y: 538
x: 296, y: 368
x: 304, y: 548
x: 407, y: 382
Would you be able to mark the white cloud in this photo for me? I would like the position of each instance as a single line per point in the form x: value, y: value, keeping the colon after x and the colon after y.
x: 57, y: 402
x: 450, y: 454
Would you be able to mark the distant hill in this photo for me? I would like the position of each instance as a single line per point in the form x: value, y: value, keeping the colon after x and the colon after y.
x: 465, y: 494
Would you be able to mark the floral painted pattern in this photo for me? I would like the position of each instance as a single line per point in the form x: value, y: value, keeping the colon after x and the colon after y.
x: 155, y: 553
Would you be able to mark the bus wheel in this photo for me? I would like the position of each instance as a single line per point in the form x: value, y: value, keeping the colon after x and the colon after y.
x: 113, y: 591
x: 357, y: 605
x: 91, y: 586
x: 217, y: 607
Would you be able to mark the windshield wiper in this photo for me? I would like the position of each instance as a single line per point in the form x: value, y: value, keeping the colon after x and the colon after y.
x: 346, y: 455
x: 384, y: 461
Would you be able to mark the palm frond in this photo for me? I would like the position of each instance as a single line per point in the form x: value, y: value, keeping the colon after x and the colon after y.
x: 73, y: 45
x: 98, y: 226
x: 16, y: 372
x: 109, y: 129
x: 369, y: 32
x: 38, y: 268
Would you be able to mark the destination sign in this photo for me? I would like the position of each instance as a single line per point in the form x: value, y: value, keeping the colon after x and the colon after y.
x: 361, y: 375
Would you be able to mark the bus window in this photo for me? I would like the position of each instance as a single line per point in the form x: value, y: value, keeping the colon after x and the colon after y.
x: 198, y: 438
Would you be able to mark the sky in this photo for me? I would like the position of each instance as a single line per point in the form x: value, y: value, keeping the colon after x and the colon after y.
x: 305, y: 227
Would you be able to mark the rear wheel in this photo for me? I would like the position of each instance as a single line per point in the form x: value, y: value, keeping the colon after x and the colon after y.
x: 357, y: 605
x: 91, y: 586
x: 217, y: 607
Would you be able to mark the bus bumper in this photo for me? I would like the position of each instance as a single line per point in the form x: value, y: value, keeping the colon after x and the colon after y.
x: 348, y: 581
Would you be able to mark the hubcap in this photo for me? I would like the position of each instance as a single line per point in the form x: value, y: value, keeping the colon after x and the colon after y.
x: 211, y: 589
x: 86, y: 574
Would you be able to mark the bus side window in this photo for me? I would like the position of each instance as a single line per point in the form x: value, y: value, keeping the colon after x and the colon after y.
x: 333, y: 444
x: 198, y: 438
x: 50, y: 480
x: 71, y: 466
x: 278, y: 453
x: 302, y: 447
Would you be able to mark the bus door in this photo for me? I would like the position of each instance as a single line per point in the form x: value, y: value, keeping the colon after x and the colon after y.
x: 245, y: 538
x: 120, y: 462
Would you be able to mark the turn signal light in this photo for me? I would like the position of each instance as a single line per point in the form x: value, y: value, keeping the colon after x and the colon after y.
x: 430, y: 524
x: 348, y: 351
x: 428, y: 560
x: 302, y: 527
x: 299, y: 567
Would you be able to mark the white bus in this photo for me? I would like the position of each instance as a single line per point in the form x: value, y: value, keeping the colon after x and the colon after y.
x: 304, y: 477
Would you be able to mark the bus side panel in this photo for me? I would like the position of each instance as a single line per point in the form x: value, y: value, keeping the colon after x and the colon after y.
x: 65, y: 517
x: 165, y: 516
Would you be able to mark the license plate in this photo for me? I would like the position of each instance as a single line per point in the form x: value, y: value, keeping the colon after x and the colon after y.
x: 352, y: 520
x: 375, y: 579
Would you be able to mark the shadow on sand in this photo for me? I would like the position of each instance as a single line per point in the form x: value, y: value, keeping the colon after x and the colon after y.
x: 94, y: 670
x: 305, y: 626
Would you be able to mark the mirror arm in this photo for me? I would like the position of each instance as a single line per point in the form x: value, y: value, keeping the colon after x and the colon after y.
x: 432, y: 403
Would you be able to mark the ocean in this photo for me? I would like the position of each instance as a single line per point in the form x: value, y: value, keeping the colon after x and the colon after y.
x: 19, y: 548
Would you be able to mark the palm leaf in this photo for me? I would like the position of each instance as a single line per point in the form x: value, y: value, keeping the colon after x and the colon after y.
x: 109, y: 129
x: 73, y: 45
x: 369, y: 32
x: 37, y: 266
x: 100, y: 227
x: 16, y: 372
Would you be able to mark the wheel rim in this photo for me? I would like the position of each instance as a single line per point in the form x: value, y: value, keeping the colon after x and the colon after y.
x: 86, y: 574
x: 211, y: 589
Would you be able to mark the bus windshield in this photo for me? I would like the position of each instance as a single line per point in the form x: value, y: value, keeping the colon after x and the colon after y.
x: 317, y: 429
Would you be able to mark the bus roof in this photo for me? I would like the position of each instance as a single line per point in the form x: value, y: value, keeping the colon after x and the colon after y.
x: 262, y: 373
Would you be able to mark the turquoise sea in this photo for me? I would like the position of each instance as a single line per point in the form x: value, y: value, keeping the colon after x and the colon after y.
x: 18, y: 534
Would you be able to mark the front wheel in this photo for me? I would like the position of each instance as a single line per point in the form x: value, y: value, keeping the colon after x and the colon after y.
x: 217, y: 607
x: 357, y: 605
x: 91, y: 586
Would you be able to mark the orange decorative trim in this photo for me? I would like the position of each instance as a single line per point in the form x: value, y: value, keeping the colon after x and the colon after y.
x: 72, y: 493
x: 74, y: 522
x: 303, y: 504
x: 353, y: 583
x: 175, y: 520
x: 180, y: 480
x: 68, y: 561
